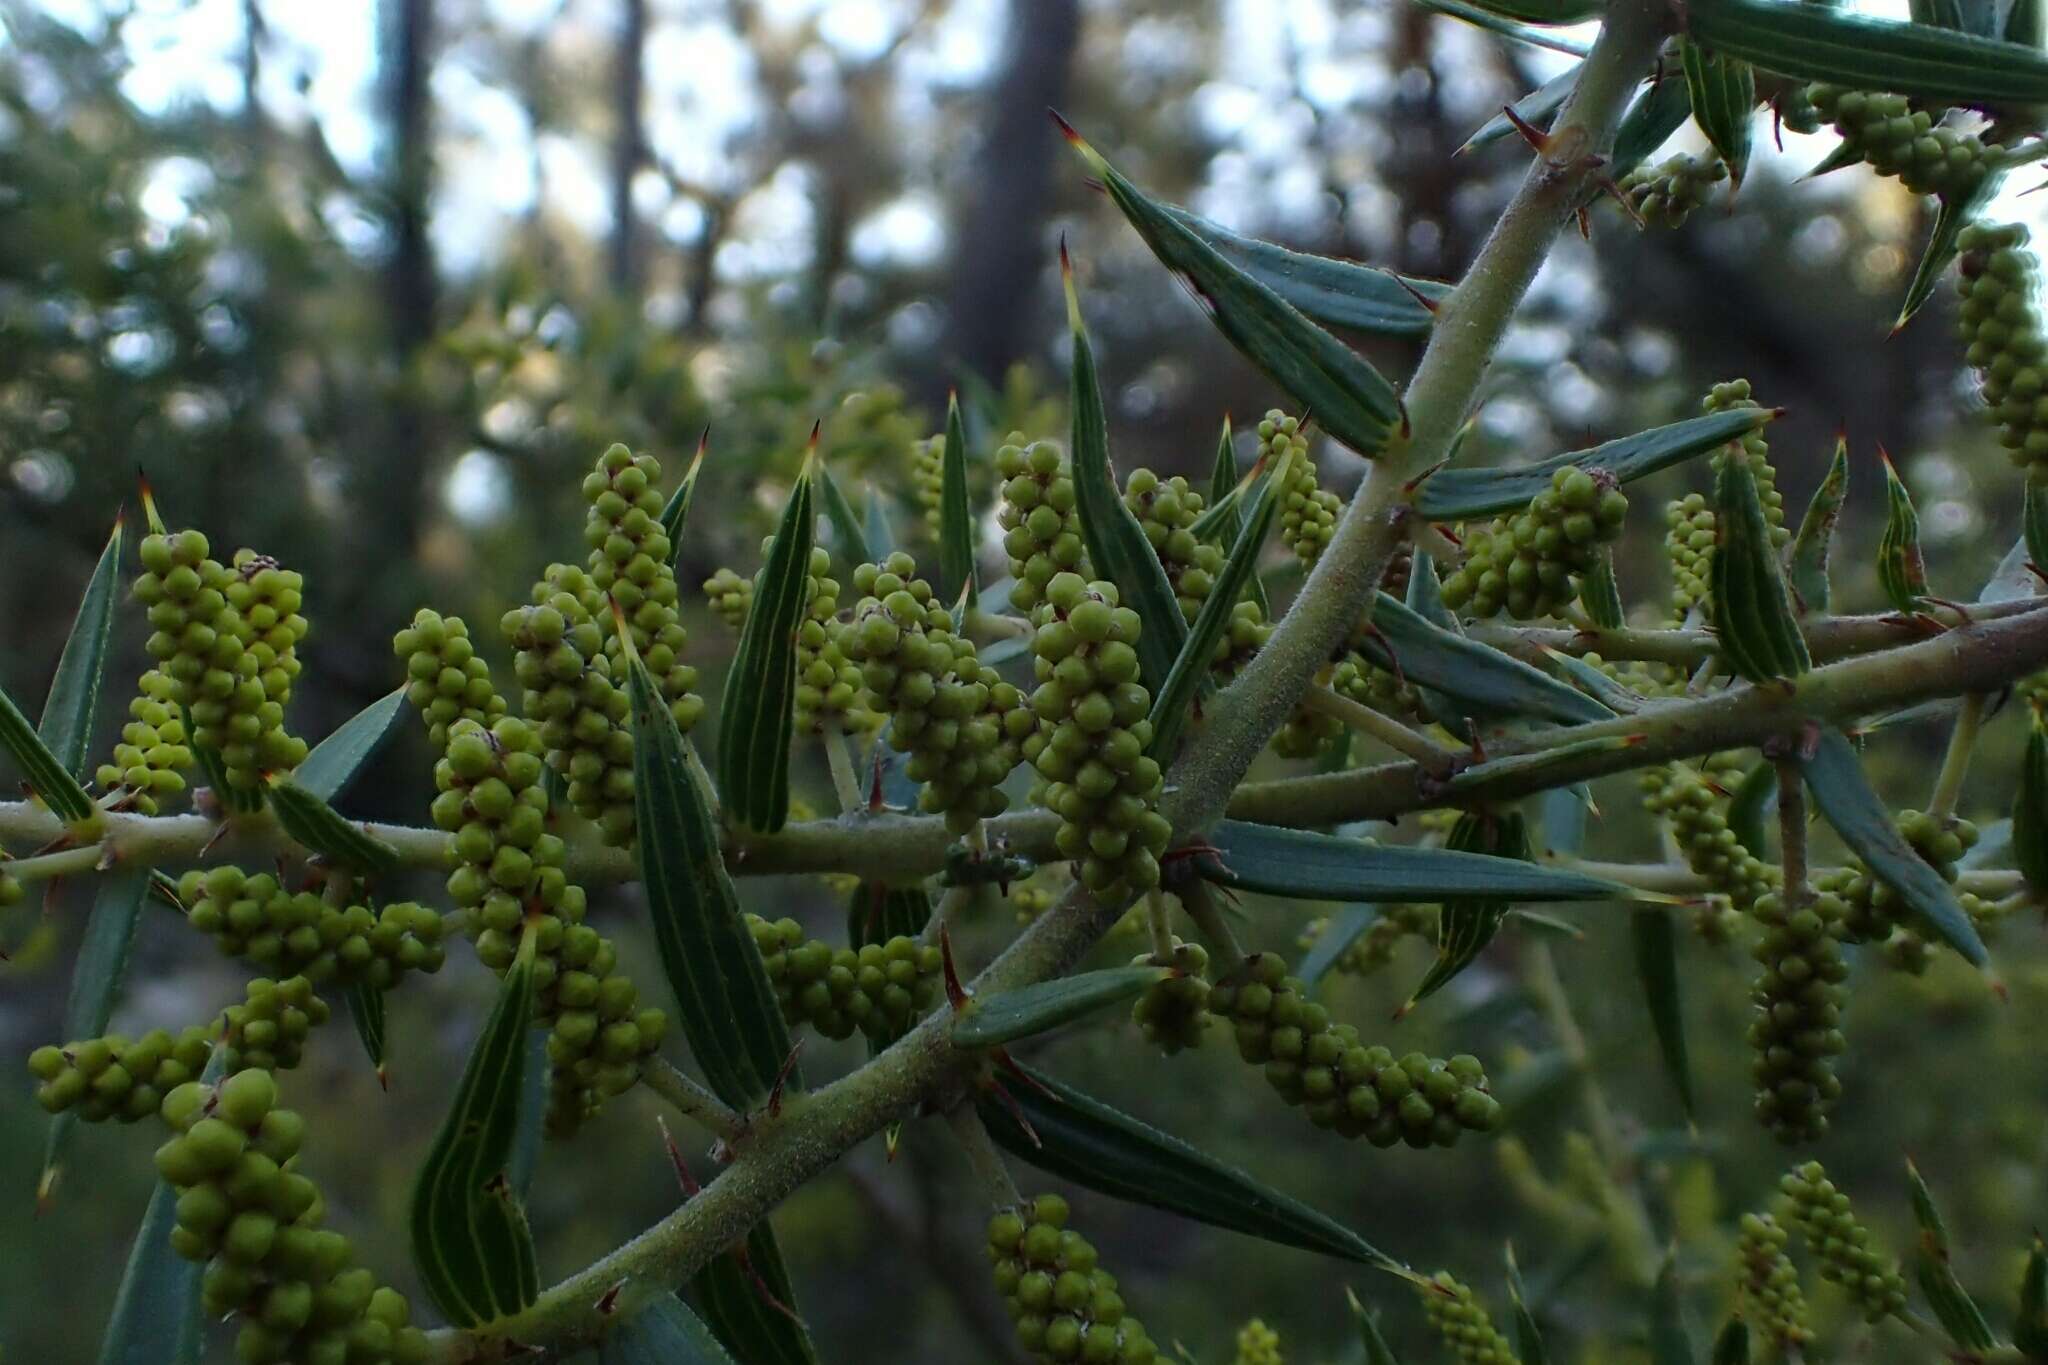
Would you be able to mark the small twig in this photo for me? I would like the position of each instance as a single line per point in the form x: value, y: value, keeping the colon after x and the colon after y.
x: 997, y: 625
x: 1200, y: 903
x: 63, y: 863
x: 839, y: 758
x: 1161, y: 921
x: 1408, y: 743
x: 1792, y: 830
x: 1955, y: 764
x: 692, y: 1100
x: 991, y: 1176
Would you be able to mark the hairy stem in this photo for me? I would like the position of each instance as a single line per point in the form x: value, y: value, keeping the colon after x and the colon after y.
x: 991, y: 1176
x: 1955, y: 763
x: 839, y: 757
x: 692, y: 1100
x: 1384, y: 728
x: 1792, y: 831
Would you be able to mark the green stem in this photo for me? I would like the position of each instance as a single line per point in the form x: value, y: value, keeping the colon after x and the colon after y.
x: 840, y: 759
x: 991, y: 1176
x: 1159, y: 919
x: 1792, y: 831
x: 1955, y: 764
x: 1199, y: 900
x: 62, y: 863
x: 1384, y: 728
x: 692, y: 1100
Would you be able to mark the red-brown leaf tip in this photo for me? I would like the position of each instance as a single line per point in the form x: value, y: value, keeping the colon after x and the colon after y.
x: 1066, y: 128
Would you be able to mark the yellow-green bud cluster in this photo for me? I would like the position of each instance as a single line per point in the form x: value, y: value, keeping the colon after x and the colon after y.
x: 1689, y: 548
x: 958, y: 721
x: 1735, y: 393
x: 1871, y: 909
x: 238, y: 709
x: 244, y: 1208
x: 1900, y: 140
x: 1174, y: 1013
x: 2003, y: 337
x: 508, y: 868
x: 1090, y: 744
x: 731, y: 596
x: 881, y: 989
x: 1529, y: 564
x: 115, y: 1077
x: 629, y: 563
x: 1166, y: 511
x: 828, y: 684
x: 180, y: 588
x: 268, y: 1030
x: 928, y: 479
x: 1041, y: 529
x: 1374, y: 949
x: 1460, y: 1319
x: 1355, y: 1090
x: 1308, y: 514
x: 1666, y: 194
x: 1258, y: 1344
x: 1699, y: 823
x: 572, y: 694
x: 153, y: 746
x: 1767, y: 1284
x: 292, y: 934
x: 446, y: 680
x: 1796, y: 1031
x: 1307, y: 731
x: 1065, y: 1305
x: 1842, y: 1244
x: 1366, y: 683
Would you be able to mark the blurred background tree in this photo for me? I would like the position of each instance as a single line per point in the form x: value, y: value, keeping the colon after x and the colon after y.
x: 382, y: 279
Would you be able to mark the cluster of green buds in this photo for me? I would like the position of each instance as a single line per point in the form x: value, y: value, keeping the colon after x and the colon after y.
x: 267, y: 1031
x: 1666, y: 194
x: 1258, y: 1344
x: 571, y: 692
x: 253, y: 917
x: 1041, y: 528
x: 928, y: 479
x: 153, y: 747
x: 1173, y: 1013
x: 1308, y: 513
x: 446, y: 680
x: 245, y: 1209
x: 1355, y: 1090
x: 1090, y: 744
x: 1064, y: 1304
x: 1897, y: 139
x: 1529, y: 564
x: 1689, y: 549
x: 731, y: 597
x: 1375, y: 948
x: 116, y: 1077
x: 239, y: 708
x: 179, y: 589
x: 881, y: 989
x: 1796, y: 1031
x: 1696, y: 813
x: 509, y: 869
x: 1767, y: 1284
x: 630, y: 563
x: 828, y: 684
x: 1734, y: 394
x: 2003, y: 337
x: 1366, y: 683
x: 1842, y: 1244
x: 1166, y: 511
x: 958, y: 721
x: 1871, y: 909
x: 1460, y: 1319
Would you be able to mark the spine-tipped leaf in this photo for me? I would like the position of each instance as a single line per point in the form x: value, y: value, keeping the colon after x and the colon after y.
x: 989, y: 1021
x: 1457, y: 494
x: 1806, y: 563
x: 48, y: 777
x: 1358, y: 298
x: 1063, y: 1132
x: 1722, y: 92
x: 756, y: 716
x: 1654, y: 939
x: 726, y: 1006
x: 1953, y: 1307
x: 676, y: 511
x: 1305, y: 865
x: 1351, y: 400
x: 1901, y: 565
x: 846, y: 527
x: 2030, y: 808
x: 338, y: 760
x: 1464, y: 927
x: 470, y: 1242
x: 1117, y: 547
x: 1759, y: 635
x: 73, y: 700
x: 956, y: 521
x: 317, y: 826
x: 1823, y: 43
x: 1487, y: 681
x: 1860, y: 816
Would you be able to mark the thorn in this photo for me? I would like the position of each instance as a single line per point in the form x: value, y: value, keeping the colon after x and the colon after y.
x: 1531, y: 134
x: 746, y: 1263
x: 1585, y: 220
x: 1015, y: 1111
x: 383, y: 1077
x: 892, y: 1139
x: 782, y: 1076
x: 675, y: 1159
x: 219, y: 832
x: 1608, y: 186
x: 957, y: 995
x: 156, y: 523
x: 1413, y: 293
x: 875, y: 783
x: 46, y: 1190
x: 1424, y: 477
x: 608, y: 1302
x: 1010, y: 1064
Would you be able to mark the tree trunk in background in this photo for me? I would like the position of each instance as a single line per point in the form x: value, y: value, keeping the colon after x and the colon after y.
x: 394, y: 477
x: 998, y: 258
x: 629, y: 144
